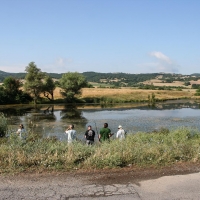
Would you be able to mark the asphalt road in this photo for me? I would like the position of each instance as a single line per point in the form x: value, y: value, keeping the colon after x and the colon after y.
x: 78, y: 187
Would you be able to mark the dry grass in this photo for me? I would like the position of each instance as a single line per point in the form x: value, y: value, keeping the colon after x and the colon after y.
x: 129, y: 94
x: 134, y: 94
x: 195, y: 82
x: 175, y: 84
x: 156, y: 82
x: 57, y: 94
x: 152, y: 81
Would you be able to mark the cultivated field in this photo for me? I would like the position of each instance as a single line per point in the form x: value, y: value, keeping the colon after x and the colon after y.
x: 157, y: 82
x: 129, y: 94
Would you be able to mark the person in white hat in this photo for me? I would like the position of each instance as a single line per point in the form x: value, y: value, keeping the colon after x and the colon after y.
x: 120, y: 133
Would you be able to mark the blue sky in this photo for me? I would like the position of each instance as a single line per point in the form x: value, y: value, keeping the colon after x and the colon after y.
x: 131, y: 36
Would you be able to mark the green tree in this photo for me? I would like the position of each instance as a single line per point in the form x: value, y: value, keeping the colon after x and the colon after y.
x: 3, y: 96
x: 12, y: 85
x: 197, y: 92
x: 11, y: 91
x: 71, y: 84
x: 49, y: 87
x: 33, y: 81
x: 186, y: 83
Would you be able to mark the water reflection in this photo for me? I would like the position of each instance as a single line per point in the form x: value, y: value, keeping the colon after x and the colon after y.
x: 71, y: 113
x: 52, y: 120
x: 40, y: 113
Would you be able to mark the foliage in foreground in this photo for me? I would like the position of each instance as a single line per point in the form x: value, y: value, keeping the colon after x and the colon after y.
x: 3, y: 125
x: 141, y: 149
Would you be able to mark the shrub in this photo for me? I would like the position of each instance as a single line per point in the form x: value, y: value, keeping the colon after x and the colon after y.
x: 3, y: 125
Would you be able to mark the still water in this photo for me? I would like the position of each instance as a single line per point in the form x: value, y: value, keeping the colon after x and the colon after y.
x: 52, y: 120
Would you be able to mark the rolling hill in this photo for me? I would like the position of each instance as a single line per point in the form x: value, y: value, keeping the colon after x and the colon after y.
x: 120, y: 79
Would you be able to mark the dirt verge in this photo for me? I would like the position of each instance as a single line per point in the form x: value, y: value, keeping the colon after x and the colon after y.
x: 113, y: 176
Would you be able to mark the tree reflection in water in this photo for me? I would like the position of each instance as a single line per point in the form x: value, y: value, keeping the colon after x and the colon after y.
x: 70, y: 114
x: 14, y: 115
x: 40, y: 120
x: 39, y: 113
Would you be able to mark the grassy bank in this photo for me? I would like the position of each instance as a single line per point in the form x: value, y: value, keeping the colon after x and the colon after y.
x: 162, y: 148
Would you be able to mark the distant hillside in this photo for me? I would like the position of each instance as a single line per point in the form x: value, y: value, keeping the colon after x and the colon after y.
x: 22, y: 75
x: 6, y: 74
x: 93, y: 76
x: 114, y: 77
x: 132, y: 80
x: 118, y: 79
x: 196, y: 74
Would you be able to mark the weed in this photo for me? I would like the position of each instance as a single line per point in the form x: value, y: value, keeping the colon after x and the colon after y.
x: 160, y: 148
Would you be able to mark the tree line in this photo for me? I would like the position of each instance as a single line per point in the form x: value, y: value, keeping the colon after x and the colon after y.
x: 123, y: 79
x: 36, y: 82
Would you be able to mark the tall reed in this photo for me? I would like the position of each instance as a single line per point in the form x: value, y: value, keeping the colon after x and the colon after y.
x: 161, y: 148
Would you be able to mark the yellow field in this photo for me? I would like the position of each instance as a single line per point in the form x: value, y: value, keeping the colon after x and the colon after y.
x: 133, y: 94
x: 57, y: 94
x: 157, y: 82
x: 129, y: 94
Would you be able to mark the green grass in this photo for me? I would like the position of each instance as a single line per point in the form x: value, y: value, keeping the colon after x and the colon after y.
x: 162, y: 148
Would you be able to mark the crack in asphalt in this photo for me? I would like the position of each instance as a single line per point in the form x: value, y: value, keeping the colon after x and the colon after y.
x: 65, y: 192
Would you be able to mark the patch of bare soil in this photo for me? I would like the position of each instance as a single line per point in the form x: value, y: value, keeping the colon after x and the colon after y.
x: 135, y: 175
x: 114, y: 176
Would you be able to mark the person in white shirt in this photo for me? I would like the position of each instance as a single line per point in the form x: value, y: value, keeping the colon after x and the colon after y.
x: 21, y: 131
x: 71, y: 133
x: 120, y: 133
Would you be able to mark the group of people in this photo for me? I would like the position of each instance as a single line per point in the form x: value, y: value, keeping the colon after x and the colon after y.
x: 105, y: 134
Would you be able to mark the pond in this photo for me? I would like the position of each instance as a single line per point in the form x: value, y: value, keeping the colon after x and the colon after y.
x: 52, y: 120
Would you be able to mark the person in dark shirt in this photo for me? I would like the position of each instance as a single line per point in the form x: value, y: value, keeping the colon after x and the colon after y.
x: 105, y: 133
x: 89, y: 135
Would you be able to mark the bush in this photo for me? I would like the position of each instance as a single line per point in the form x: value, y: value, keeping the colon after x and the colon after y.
x: 3, y: 125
